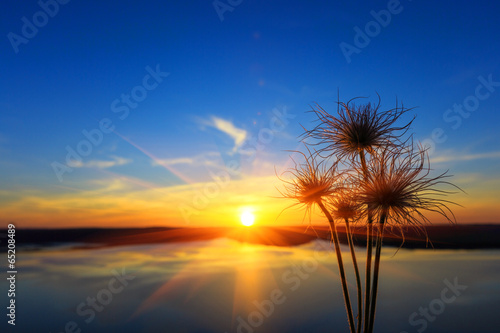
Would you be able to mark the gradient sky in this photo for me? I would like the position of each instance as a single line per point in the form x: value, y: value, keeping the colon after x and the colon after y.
x: 225, y: 76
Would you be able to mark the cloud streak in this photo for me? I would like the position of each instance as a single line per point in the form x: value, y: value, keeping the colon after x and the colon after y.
x: 100, y: 164
x: 205, y: 159
x: 175, y: 161
x: 467, y: 157
x: 238, y: 135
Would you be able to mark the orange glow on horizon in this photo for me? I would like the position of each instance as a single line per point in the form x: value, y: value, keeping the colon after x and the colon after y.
x: 122, y: 202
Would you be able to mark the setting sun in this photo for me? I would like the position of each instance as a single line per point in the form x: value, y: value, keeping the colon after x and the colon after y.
x: 247, y: 218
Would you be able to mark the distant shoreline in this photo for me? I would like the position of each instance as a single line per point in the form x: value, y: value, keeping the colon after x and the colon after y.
x: 485, y: 236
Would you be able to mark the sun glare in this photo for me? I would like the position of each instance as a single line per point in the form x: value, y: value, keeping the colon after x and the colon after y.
x: 247, y: 218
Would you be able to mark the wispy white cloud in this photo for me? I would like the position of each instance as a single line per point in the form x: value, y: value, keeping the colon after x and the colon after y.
x: 464, y: 157
x: 207, y: 158
x: 174, y: 161
x: 238, y: 135
x: 101, y: 164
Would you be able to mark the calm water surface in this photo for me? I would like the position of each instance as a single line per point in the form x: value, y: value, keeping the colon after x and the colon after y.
x: 226, y: 286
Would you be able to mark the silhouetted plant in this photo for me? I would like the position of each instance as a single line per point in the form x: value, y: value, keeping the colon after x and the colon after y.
x: 354, y: 132
x: 387, y: 178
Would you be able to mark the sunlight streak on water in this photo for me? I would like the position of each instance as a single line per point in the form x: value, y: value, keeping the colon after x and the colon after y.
x: 210, y: 286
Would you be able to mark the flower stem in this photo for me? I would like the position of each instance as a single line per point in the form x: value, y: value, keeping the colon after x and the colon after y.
x: 369, y: 248
x: 376, y: 270
x: 356, y: 272
x: 345, y: 290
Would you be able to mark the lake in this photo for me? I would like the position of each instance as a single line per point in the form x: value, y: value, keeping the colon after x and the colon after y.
x: 223, y: 285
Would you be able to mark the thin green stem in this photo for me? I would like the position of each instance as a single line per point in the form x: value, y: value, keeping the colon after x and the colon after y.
x: 380, y: 238
x: 343, y: 279
x: 356, y: 272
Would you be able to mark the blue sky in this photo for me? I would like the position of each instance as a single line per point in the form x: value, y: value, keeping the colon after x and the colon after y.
x: 225, y: 78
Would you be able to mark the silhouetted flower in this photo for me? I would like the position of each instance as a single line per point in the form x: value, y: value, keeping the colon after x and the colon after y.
x: 344, y: 205
x: 400, y: 187
x: 356, y: 129
x: 310, y: 181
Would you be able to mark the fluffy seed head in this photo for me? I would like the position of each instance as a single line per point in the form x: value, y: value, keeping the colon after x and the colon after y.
x: 356, y: 128
x: 344, y: 205
x: 310, y: 181
x: 401, y: 188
